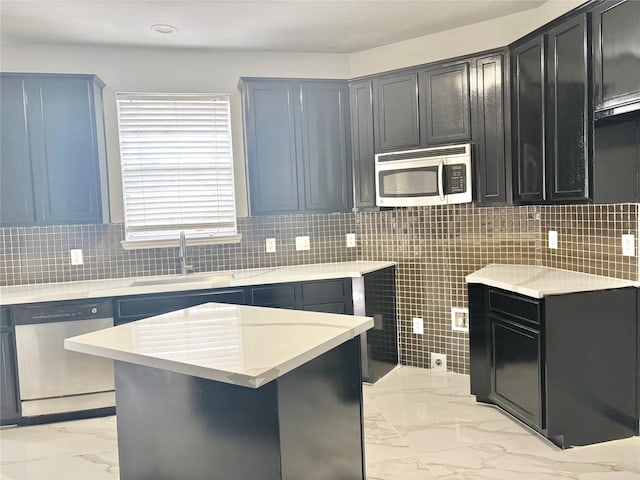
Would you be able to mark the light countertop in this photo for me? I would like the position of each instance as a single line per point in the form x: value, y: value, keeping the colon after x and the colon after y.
x: 50, y: 292
x: 240, y: 345
x: 539, y: 282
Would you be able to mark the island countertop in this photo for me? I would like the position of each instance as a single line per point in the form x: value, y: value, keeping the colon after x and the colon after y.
x: 538, y: 282
x: 51, y: 292
x: 240, y: 345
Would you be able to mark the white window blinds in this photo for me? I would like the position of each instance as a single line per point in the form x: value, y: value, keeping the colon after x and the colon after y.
x: 177, y: 167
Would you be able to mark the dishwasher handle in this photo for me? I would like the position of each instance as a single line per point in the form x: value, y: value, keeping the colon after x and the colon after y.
x: 67, y: 311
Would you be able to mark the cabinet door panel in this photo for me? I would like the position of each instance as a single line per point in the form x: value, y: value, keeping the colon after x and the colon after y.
x: 489, y: 134
x: 362, y: 144
x: 271, y: 147
x: 335, y: 307
x: 616, y: 37
x: 9, y: 392
x: 64, y: 152
x: 568, y: 120
x: 527, y: 62
x: 16, y: 188
x: 517, y: 370
x: 396, y: 112
x: 325, y: 161
x: 446, y: 112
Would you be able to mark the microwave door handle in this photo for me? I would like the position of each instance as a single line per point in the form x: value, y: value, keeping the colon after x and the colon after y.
x: 441, y: 180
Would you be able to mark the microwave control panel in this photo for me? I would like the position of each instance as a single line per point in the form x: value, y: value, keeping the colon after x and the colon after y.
x: 455, y: 179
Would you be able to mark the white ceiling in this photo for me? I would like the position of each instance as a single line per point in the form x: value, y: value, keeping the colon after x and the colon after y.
x: 294, y: 25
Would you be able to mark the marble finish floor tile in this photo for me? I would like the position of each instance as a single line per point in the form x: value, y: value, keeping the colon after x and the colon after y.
x: 419, y: 425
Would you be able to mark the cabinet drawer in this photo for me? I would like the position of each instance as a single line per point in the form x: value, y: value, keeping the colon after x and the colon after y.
x: 515, y: 306
x: 323, y: 292
x: 274, y: 295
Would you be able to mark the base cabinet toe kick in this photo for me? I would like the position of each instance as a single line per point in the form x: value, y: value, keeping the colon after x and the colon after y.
x: 565, y: 365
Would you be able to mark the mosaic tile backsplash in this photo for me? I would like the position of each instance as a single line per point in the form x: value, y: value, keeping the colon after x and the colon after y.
x: 435, y: 247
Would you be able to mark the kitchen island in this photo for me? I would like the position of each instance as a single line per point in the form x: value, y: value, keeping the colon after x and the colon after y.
x: 232, y: 392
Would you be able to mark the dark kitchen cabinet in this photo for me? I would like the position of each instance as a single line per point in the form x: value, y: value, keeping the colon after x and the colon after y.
x: 528, y: 115
x: 568, y: 114
x: 297, y: 145
x: 362, y: 144
x: 616, y: 160
x: 616, y: 58
x: 331, y: 296
x: 136, y: 307
x: 53, y: 163
x: 535, y: 359
x: 491, y: 152
x: 445, y: 104
x: 395, y: 112
x: 9, y: 392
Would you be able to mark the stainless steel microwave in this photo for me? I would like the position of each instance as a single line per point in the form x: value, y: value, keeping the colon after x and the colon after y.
x: 426, y: 176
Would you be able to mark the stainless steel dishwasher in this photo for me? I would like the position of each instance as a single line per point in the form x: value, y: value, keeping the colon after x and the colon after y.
x: 52, y: 379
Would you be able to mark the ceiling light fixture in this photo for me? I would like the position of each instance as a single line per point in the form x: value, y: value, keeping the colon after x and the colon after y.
x: 163, y: 28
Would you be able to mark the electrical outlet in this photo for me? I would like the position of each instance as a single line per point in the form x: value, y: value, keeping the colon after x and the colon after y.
x: 438, y: 361
x: 460, y: 319
x: 553, y: 239
x: 270, y: 244
x: 418, y: 326
x: 76, y: 256
x: 303, y: 243
x: 628, y: 245
x: 351, y: 240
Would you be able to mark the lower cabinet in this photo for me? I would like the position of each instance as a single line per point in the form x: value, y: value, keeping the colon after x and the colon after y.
x: 331, y: 296
x: 565, y: 365
x: 136, y: 307
x: 9, y: 401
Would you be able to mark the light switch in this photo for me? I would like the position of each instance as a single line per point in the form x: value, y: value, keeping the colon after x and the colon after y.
x: 303, y: 243
x: 76, y: 256
x: 628, y: 245
x: 418, y: 326
x: 553, y: 239
x: 351, y: 240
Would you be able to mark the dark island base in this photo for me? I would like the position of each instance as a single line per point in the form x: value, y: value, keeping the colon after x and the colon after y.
x: 306, y: 424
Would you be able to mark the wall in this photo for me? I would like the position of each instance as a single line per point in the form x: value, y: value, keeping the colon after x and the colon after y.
x: 435, y: 248
x: 169, y: 70
x: 465, y: 40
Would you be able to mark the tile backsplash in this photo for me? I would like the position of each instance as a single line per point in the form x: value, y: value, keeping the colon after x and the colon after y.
x: 435, y: 247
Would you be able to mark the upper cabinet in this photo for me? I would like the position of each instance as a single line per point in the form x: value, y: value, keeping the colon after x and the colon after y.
x: 297, y: 145
x: 445, y: 104
x: 551, y: 122
x: 53, y: 158
x: 489, y: 116
x: 395, y: 112
x: 616, y: 59
x: 362, y: 144
x: 527, y: 129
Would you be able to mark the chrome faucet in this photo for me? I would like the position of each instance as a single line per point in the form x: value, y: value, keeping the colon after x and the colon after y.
x: 182, y: 255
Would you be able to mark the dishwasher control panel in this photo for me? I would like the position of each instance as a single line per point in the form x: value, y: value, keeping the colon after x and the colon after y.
x: 62, y: 311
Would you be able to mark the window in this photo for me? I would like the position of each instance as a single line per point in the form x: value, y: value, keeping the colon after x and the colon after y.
x: 177, y: 169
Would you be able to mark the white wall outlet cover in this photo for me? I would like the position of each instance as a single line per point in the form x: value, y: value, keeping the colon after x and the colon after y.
x: 628, y: 245
x: 438, y: 361
x: 460, y: 319
x: 76, y: 256
x: 270, y: 245
x: 303, y: 243
x: 351, y: 240
x: 418, y: 326
x: 553, y: 239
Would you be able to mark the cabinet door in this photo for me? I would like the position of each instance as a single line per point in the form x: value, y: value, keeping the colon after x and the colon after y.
x: 325, y: 156
x: 489, y: 134
x: 362, y: 144
x: 277, y: 296
x: 16, y: 187
x: 9, y: 399
x: 64, y: 150
x: 445, y: 110
x: 395, y: 112
x: 528, y: 74
x: 270, y: 142
x: 616, y: 36
x: 568, y: 119
x: 516, y: 382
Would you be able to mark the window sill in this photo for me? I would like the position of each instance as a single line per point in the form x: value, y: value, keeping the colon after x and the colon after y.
x: 144, y: 244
